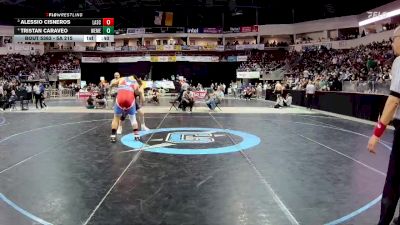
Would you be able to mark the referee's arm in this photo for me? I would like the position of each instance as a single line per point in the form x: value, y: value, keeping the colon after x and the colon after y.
x: 393, y: 100
x: 391, y: 106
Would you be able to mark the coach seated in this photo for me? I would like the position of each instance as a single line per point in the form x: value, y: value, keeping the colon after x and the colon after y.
x: 187, y: 100
x: 90, y: 103
x: 283, y: 102
x: 101, y: 101
x: 155, y: 97
x: 12, y: 100
x: 214, y: 99
x: 248, y: 93
x: 288, y: 100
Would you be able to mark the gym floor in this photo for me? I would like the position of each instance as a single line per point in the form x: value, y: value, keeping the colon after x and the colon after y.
x: 200, y: 168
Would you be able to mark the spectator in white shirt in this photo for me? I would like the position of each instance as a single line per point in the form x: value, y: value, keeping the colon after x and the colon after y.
x: 279, y: 102
x: 288, y: 101
x: 234, y: 87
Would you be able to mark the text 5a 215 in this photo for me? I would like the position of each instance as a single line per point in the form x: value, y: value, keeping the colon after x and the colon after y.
x: 63, y: 38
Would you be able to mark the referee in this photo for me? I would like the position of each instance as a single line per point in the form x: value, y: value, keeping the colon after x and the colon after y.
x: 391, y: 190
x: 310, y: 92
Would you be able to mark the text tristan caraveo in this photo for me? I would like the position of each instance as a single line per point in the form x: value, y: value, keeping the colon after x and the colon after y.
x: 60, y: 30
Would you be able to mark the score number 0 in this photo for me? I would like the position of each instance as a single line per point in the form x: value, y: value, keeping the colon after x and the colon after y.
x: 108, y: 22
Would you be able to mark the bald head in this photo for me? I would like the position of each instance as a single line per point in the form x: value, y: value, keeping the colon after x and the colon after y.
x: 396, y: 41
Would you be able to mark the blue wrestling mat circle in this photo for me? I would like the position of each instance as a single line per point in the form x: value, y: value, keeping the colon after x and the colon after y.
x: 192, y: 141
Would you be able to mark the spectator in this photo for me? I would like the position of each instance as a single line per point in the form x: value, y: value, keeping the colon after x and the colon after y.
x: 259, y: 90
x: 43, y: 98
x: 3, y: 101
x: 187, y: 100
x: 12, y: 99
x: 234, y: 89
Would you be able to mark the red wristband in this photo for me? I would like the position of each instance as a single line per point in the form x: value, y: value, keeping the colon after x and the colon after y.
x: 379, y: 129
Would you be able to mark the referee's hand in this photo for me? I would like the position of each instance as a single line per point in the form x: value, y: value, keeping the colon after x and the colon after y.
x: 372, y: 144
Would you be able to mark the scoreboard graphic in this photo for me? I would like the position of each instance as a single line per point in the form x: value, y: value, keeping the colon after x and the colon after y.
x: 64, y: 27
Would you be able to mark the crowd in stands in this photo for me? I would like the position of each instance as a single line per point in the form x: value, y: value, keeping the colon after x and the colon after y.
x: 345, y: 36
x: 267, y: 43
x: 276, y: 44
x: 35, y: 67
x: 63, y: 62
x: 16, y: 65
x: 22, y: 76
x: 237, y: 43
x: 328, y: 68
x: 261, y: 61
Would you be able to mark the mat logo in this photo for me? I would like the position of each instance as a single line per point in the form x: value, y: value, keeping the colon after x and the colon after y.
x: 192, y: 141
x: 190, y: 138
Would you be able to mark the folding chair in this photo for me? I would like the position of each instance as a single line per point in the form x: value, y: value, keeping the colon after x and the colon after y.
x: 173, y: 105
x: 13, y: 105
x: 24, y: 104
x: 173, y: 102
x: 217, y: 106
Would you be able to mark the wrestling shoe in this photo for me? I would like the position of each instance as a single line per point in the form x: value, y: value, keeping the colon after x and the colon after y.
x: 119, y: 130
x: 144, y: 128
x: 113, y: 138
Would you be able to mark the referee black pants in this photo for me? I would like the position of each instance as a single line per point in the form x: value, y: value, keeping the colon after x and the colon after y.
x: 391, y: 190
x: 310, y: 100
x: 38, y: 98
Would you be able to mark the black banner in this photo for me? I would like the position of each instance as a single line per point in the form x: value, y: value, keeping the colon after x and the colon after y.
x: 58, y: 30
x: 359, y: 105
x: 234, y: 30
x: 169, y: 30
x: 59, y: 22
